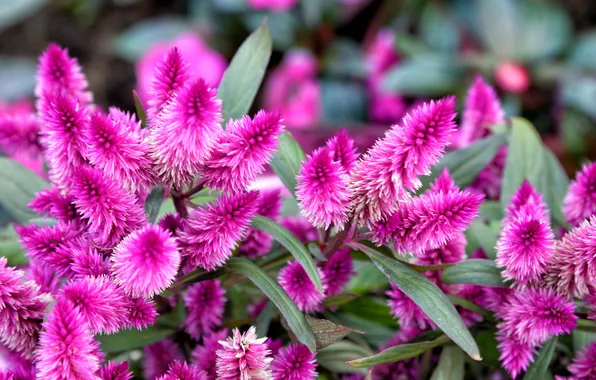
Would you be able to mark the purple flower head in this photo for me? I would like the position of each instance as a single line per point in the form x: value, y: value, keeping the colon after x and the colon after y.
x: 55, y: 204
x: 322, y: 190
x: 157, y: 358
x: 294, y: 362
x: 184, y: 133
x: 515, y: 356
x: 382, y: 178
x: 583, y: 366
x: 337, y: 270
x: 115, y: 371
x: 476, y: 295
x: 146, y: 261
x: 67, y: 349
x: 209, y: 234
x: 171, y: 223
x: 125, y: 120
x: 580, y: 202
x: 406, y: 311
x: 205, y: 303
x: 205, y: 356
x: 87, y: 260
x: 526, y: 201
x: 257, y: 243
x: 20, y: 134
x: 243, y: 357
x: 444, y: 183
x: 450, y: 253
x: 294, y: 280
x: 140, y: 313
x: 43, y: 275
x: 342, y: 150
x: 180, y: 370
x: 300, y: 228
x: 242, y: 151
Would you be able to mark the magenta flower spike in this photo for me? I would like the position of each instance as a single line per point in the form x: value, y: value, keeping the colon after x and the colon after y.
x: 343, y: 151
x: 451, y: 252
x: 140, y: 313
x: 583, y: 366
x: 323, y: 190
x: 294, y: 280
x: 444, y: 183
x: 55, y: 204
x: 87, y: 260
x: 337, y: 270
x: 115, y: 371
x: 184, y: 133
x: 20, y: 134
x: 385, y: 174
x: 300, y: 227
x: 171, y: 223
x: 294, y: 362
x: 209, y: 234
x: 257, y: 243
x: 158, y: 357
x: 180, y: 370
x: 204, y: 356
x: 242, y: 151
x: 406, y: 311
x: 526, y: 201
x: 146, y: 261
x: 580, y: 202
x: 515, y: 356
x: 205, y: 303
x: 243, y: 357
x: 43, y: 275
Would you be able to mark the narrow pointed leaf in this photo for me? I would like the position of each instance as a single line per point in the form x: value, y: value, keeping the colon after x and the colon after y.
x: 141, y: 114
x: 486, y: 237
x: 127, y: 340
x: 474, y: 271
x: 153, y: 203
x: 540, y: 366
x: 451, y: 365
x: 339, y: 299
x: 264, y: 319
x: 287, y: 161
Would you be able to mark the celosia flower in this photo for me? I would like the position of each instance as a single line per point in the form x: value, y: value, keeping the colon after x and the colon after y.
x: 342, y: 150
x: 14, y: 367
x: 488, y: 180
x: 209, y: 234
x: 382, y: 178
x: 171, y: 223
x: 55, y: 204
x: 205, y: 303
x: 140, y: 313
x: 257, y: 243
x: 337, y: 270
x: 580, y: 202
x: 115, y: 371
x: 449, y: 253
x: 179, y: 370
x: 146, y: 261
x: 294, y: 280
x: 86, y: 259
x: 43, y: 275
x: 205, y: 357
x: 67, y: 349
x: 322, y: 191
x: 515, y: 356
x: 444, y: 183
x: 512, y: 77
x: 300, y: 227
x: 184, y: 133
x: 243, y: 357
x: 474, y: 294
x: 526, y: 201
x: 242, y: 151
x: 20, y: 134
x: 272, y: 5
x: 157, y: 358
x: 406, y: 311
x: 583, y: 366
x: 294, y: 362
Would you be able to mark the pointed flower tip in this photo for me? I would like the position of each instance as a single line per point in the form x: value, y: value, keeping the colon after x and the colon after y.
x: 580, y: 202
x: 343, y: 150
x: 169, y: 76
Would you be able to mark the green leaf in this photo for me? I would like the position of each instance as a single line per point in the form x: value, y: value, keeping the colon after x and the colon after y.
x: 243, y: 77
x: 474, y: 271
x: 15, y: 256
x: 583, y: 55
x: 139, y: 108
x: 343, y: 102
x: 397, y: 353
x: 428, y: 297
x: 287, y: 161
x: 19, y: 185
x: 17, y: 75
x: 491, y: 210
x: 278, y: 296
x: 554, y: 184
x: 292, y: 244
x: 153, y: 203
x: 127, y: 340
x: 367, y: 278
x: 312, y: 11
x: 282, y: 26
x: 370, y: 309
x: 438, y: 28
x: 486, y: 237
x: 451, y: 365
x: 339, y: 299
x: 327, y: 332
x: 335, y: 356
x: 428, y: 76
x: 537, y: 370
x: 581, y: 339
x: 174, y: 318
x: 264, y: 319
x: 499, y: 34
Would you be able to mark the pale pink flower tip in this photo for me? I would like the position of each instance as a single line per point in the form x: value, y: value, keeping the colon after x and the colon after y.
x: 343, y: 150
x: 580, y: 202
x: 583, y: 366
x: 294, y: 362
x: 182, y: 371
x: 322, y: 191
x: 205, y: 303
x: 243, y: 357
x: 526, y: 201
x: 115, y: 371
x: 146, y: 261
x: 20, y: 134
x: 444, y: 183
x: 294, y: 280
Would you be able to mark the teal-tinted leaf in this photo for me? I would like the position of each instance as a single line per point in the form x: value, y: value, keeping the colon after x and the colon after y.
x: 488, y: 347
x: 343, y: 101
x: 537, y: 370
x: 278, y: 296
x: 282, y: 26
x: 11, y: 249
x: 127, y: 340
x: 344, y: 58
x: 574, y: 132
x: 367, y: 278
x: 371, y: 309
x: 243, y: 77
x: 17, y: 76
x: 19, y: 185
x: 485, y: 236
x: 315, y: 250
x: 153, y: 203
x: 292, y: 244
x: 581, y: 339
x: 339, y: 299
x: 335, y: 356
x: 578, y: 92
x: 428, y: 297
x: 312, y: 11
x: 553, y: 184
x: 499, y: 34
x: 264, y: 319
x: 428, y: 76
x: 141, y: 114
x: 583, y: 55
x: 327, y: 332
x: 491, y: 210
x: 451, y: 365
x: 474, y: 271
x: 438, y: 28
x: 287, y: 161
x: 12, y: 12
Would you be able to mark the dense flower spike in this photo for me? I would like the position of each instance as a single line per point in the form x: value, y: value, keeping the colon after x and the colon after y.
x: 67, y: 349
x: 450, y: 253
x: 14, y: 367
x: 20, y: 134
x: 140, y: 313
x: 300, y: 288
x: 205, y: 357
x: 444, y: 183
x: 580, y: 202
x: 55, y: 204
x: 322, y: 190
x: 243, y: 357
x: 171, y: 223
x: 184, y: 133
x: 205, y: 306
x: 182, y: 371
x: 115, y: 371
x: 337, y: 270
x: 86, y: 260
x: 583, y: 366
x: 300, y: 228
x: 209, y: 234
x: 342, y: 149
x: 242, y: 151
x: 526, y: 201
x: 43, y: 275
x: 516, y: 356
x: 406, y: 311
x: 294, y: 362
x: 146, y: 261
x: 170, y: 75
x: 257, y: 243
x: 157, y: 358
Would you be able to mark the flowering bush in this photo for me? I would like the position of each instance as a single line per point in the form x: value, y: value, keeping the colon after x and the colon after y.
x: 160, y: 252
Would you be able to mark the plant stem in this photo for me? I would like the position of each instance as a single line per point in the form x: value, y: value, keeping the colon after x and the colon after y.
x: 338, y: 240
x: 180, y: 205
x: 200, y: 186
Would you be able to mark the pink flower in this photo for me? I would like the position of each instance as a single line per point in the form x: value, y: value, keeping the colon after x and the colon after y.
x: 294, y: 280
x: 180, y: 370
x: 512, y: 77
x: 584, y: 364
x: 242, y: 151
x: 205, y: 303
x: 115, y: 371
x: 205, y: 356
x: 20, y: 134
x: 86, y: 259
x: 515, y: 356
x: 323, y: 190
x: 171, y: 223
x: 43, y: 275
x: 272, y: 5
x: 55, y: 204
x: 157, y: 358
x: 257, y: 243
x: 406, y: 311
x: 580, y: 202
x: 184, y: 133
x: 209, y: 234
x: 444, y: 183
x: 382, y: 53
x: 243, y: 357
x: 342, y: 150
x: 14, y: 367
x: 526, y: 201
x: 140, y: 313
x: 300, y: 227
x: 451, y: 252
x: 337, y: 270
x: 294, y: 362
x: 146, y: 261
x: 402, y: 370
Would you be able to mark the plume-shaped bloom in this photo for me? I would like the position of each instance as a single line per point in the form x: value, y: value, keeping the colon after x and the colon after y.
x: 243, y: 357
x: 583, y: 366
x: 294, y: 280
x: 55, y: 204
x: 526, y: 201
x: 444, y: 183
x: 209, y: 234
x: 342, y: 150
x: 146, y: 261
x: 21, y: 310
x: 515, y: 356
x: 406, y: 311
x: 86, y: 259
x: 20, y: 134
x: 205, y: 303
x: 140, y: 313
x: 158, y: 356
x: 171, y: 223
x: 67, y: 349
x: 300, y: 227
x: 257, y: 243
x: 451, y: 252
x: 184, y: 133
x: 242, y: 151
x: 14, y: 367
x: 475, y: 294
x: 169, y: 76
x: 337, y: 270
x: 180, y: 370
x: 322, y: 190
x: 43, y: 275
x: 115, y: 371
x: 204, y: 356
x: 580, y: 202
x: 294, y: 362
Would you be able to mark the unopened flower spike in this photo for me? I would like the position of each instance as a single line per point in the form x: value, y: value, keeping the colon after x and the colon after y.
x: 294, y: 362
x: 257, y: 243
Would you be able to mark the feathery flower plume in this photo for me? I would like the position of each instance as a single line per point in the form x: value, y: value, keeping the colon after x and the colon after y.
x: 257, y: 243
x: 205, y: 306
x: 451, y: 252
x: 476, y: 295
x: 184, y: 133
x: 242, y: 151
x: 580, y: 202
x: 342, y: 150
x: 243, y: 357
x: 67, y: 349
x: 209, y: 234
x: 322, y: 190
x: 115, y: 371
x: 526, y: 201
x: 43, y: 275
x: 87, y: 260
x: 20, y: 134
x: 383, y: 176
x: 180, y: 370
x: 21, y: 310
x: 337, y: 270
x: 169, y: 77
x: 140, y: 313
x: 171, y: 223
x: 158, y: 356
x: 294, y: 362
x: 583, y: 366
x: 294, y: 280
x: 146, y: 261
x: 205, y: 356
x: 55, y: 204
x: 300, y: 227
x: 515, y: 356
x: 125, y: 120
x: 406, y: 311
x: 14, y: 367
x: 444, y: 183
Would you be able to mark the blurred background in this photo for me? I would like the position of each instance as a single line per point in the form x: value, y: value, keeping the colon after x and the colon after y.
x: 354, y: 64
